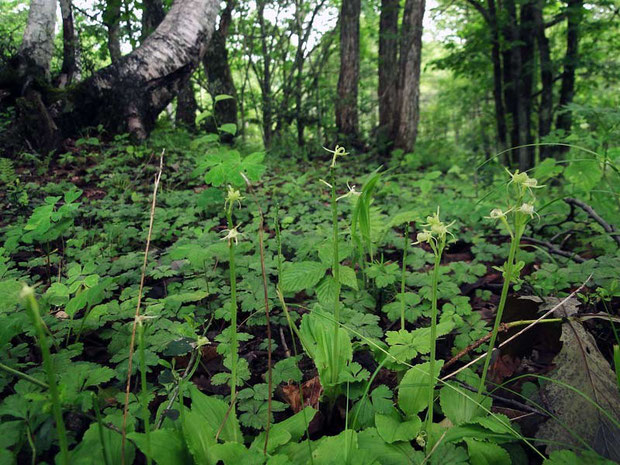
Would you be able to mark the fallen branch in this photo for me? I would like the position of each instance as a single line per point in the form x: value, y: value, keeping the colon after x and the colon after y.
x: 531, y: 325
x: 595, y: 216
x: 554, y: 250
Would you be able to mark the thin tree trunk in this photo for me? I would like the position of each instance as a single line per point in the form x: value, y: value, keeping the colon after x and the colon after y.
x: 527, y: 36
x: 266, y: 80
x: 70, y: 70
x: 186, y: 107
x: 112, y: 21
x: 35, y: 52
x: 388, y: 70
x: 153, y: 14
x: 219, y: 75
x: 567, y: 91
x: 498, y: 92
x: 409, y: 75
x: 545, y: 113
x: 347, y: 121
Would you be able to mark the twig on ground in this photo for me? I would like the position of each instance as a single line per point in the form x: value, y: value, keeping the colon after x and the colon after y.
x: 512, y: 402
x: 595, y: 216
x: 553, y: 249
x: 137, y: 314
x: 534, y: 323
x: 287, y: 351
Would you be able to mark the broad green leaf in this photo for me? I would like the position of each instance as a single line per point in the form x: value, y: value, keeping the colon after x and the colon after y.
x: 392, y: 429
x: 220, y: 97
x: 459, y: 405
x: 413, y: 388
x: 215, y: 413
x: 299, y: 276
x: 486, y: 453
x: 230, y: 128
x: 199, y: 437
x: 348, y: 277
x: 167, y: 447
x: 291, y: 429
x: 584, y: 174
x: 327, y: 291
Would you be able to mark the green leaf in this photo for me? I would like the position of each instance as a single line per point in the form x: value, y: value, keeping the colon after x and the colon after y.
x: 486, y: 453
x: 167, y: 446
x: 230, y: 128
x: 327, y: 290
x: 391, y: 428
x: 301, y: 275
x: 215, y: 414
x: 459, y: 408
x: 348, y: 277
x: 413, y: 388
x: 291, y: 429
x: 584, y: 174
x: 219, y: 98
x: 199, y: 437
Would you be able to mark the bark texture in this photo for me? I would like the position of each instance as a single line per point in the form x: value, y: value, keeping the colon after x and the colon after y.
x: 112, y: 21
x: 347, y: 121
x: 409, y: 75
x: 567, y: 91
x: 388, y: 69
x: 186, y: 107
x: 38, y: 40
x: 70, y: 71
x: 152, y: 15
x: 219, y: 75
x: 498, y: 92
x: 545, y: 112
x: 128, y: 95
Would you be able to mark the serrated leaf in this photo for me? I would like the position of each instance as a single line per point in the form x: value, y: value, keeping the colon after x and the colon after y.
x: 413, y: 388
x: 299, y: 276
x: 486, y: 453
x: 391, y: 428
x: 348, y: 277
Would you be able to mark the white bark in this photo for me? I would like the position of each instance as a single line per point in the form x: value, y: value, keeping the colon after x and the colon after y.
x: 163, y: 62
x: 38, y: 39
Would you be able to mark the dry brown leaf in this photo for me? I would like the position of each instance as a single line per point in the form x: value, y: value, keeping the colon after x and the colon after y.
x: 312, y: 391
x: 581, y: 365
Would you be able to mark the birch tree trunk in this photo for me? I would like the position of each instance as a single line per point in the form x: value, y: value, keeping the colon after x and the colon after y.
x: 409, y: 75
x: 35, y: 52
x: 112, y: 21
x: 347, y: 121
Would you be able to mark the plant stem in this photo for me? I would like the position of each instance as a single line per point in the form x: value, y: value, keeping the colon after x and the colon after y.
x: 336, y: 275
x: 33, y: 309
x: 402, y: 279
x: 433, y: 340
x: 144, y: 392
x: 508, y: 268
x: 104, y: 446
x: 233, y: 313
x: 18, y: 373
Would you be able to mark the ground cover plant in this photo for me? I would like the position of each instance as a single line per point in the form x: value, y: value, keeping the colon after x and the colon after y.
x: 377, y: 298
x: 310, y: 232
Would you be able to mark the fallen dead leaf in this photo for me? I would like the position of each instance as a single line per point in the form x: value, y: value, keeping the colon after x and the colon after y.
x: 312, y: 391
x: 581, y: 365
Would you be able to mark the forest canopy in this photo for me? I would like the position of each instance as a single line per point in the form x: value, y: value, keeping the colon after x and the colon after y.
x: 324, y: 232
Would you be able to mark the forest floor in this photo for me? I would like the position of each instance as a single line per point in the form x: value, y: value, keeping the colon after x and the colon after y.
x: 77, y: 227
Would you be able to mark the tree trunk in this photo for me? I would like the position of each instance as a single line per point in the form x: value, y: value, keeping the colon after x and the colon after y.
x: 567, y: 91
x: 219, y: 75
x: 152, y: 15
x: 265, y: 82
x: 186, y: 107
x: 409, y: 75
x: 347, y: 121
x: 498, y: 92
x: 545, y: 112
x: 388, y: 71
x: 112, y: 21
x: 527, y: 37
x: 35, y: 52
x: 70, y: 70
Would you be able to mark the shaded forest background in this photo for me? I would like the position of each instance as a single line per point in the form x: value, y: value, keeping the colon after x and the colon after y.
x: 484, y: 76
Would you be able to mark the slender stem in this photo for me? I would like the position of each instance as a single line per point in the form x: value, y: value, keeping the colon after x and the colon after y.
x: 508, y: 269
x: 402, y: 279
x: 104, y: 446
x: 433, y: 340
x: 144, y: 394
x: 336, y: 274
x: 233, y: 314
x: 18, y: 373
x: 33, y: 309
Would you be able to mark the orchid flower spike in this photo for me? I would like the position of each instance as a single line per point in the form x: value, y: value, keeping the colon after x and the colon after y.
x: 234, y: 195
x: 352, y: 192
x: 338, y: 152
x: 232, y: 235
